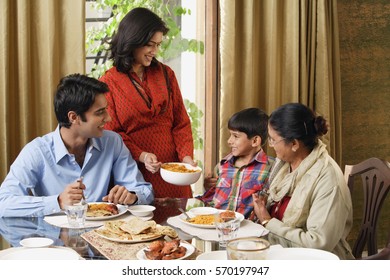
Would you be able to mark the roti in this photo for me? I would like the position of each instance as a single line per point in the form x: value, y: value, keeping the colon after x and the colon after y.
x: 167, y: 230
x: 112, y: 229
x: 138, y: 226
x: 135, y: 229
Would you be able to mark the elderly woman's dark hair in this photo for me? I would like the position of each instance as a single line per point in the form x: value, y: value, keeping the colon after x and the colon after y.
x: 251, y: 121
x: 296, y: 121
x: 134, y: 31
x: 76, y: 93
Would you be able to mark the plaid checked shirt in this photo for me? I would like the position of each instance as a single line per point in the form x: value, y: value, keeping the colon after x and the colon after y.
x: 235, y: 186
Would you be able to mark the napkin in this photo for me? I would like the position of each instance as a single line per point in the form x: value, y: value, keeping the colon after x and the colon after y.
x: 247, y: 228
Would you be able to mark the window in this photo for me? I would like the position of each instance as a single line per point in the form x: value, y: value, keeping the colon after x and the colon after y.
x: 189, y: 66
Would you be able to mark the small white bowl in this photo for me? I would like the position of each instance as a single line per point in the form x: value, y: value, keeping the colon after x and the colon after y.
x: 181, y: 178
x: 202, y: 211
x: 141, y: 210
x: 36, y: 242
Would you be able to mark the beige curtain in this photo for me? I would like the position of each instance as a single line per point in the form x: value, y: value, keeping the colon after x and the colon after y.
x: 40, y: 42
x: 274, y: 52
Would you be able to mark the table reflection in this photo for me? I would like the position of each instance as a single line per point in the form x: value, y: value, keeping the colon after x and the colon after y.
x: 12, y: 230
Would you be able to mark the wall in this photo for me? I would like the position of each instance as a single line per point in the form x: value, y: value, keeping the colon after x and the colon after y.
x: 365, y: 78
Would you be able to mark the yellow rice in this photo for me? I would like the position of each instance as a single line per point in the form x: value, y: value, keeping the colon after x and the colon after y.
x: 202, y: 220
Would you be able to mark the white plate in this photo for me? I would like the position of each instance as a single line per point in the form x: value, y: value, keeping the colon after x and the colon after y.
x: 40, y: 254
x: 126, y: 241
x: 36, y: 242
x: 202, y: 211
x: 300, y: 254
x: 213, y: 255
x: 190, y: 249
x: 182, y: 218
x: 121, y: 210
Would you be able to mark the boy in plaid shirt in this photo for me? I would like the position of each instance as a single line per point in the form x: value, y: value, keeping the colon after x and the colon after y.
x: 246, y: 169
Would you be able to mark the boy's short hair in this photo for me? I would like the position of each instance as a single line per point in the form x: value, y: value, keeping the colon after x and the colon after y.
x: 252, y: 122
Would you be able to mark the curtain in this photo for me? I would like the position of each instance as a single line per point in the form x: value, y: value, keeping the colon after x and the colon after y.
x: 275, y: 52
x: 41, y: 41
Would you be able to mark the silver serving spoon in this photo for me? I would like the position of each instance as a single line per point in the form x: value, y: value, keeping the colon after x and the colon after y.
x: 185, y: 213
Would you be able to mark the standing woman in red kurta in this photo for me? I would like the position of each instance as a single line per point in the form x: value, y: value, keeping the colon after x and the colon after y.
x: 145, y: 102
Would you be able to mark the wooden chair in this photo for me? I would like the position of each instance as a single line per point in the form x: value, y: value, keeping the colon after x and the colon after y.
x: 375, y: 175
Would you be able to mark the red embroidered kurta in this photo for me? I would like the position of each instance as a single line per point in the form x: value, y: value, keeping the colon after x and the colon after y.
x: 163, y: 129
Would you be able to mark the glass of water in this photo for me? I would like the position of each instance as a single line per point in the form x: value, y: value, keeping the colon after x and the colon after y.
x: 76, y: 214
x: 226, y: 228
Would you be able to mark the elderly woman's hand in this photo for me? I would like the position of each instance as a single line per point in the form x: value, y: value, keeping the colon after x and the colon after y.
x: 259, y: 206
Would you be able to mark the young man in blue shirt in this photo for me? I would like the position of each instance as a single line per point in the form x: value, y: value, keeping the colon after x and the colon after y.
x: 46, y: 174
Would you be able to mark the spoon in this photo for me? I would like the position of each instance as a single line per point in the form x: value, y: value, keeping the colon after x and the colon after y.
x: 185, y: 213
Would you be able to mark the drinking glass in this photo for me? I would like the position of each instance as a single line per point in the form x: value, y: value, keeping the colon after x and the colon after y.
x: 226, y: 228
x: 76, y: 214
x: 248, y: 248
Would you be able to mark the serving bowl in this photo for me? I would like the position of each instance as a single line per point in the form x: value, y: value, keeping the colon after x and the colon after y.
x: 182, y: 177
x: 141, y: 210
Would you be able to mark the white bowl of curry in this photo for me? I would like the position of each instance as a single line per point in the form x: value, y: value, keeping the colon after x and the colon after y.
x: 181, y: 174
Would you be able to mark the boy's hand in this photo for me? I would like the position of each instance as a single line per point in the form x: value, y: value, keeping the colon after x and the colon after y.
x: 209, y: 182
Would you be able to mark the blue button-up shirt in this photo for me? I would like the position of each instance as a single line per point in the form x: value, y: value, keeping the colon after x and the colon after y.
x: 44, y: 168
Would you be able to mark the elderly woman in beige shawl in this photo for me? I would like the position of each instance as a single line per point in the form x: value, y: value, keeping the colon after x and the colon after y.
x: 308, y: 201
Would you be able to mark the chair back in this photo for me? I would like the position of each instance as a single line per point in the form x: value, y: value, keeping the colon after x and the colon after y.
x: 375, y: 175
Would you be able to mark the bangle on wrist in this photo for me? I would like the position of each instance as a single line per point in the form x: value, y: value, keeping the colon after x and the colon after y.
x: 265, y: 222
x: 145, y: 156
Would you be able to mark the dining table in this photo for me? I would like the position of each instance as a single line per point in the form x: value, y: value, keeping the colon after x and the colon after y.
x: 90, y: 246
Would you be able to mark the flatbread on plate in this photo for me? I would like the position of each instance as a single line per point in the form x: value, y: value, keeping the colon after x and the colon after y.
x: 167, y: 230
x: 138, y: 226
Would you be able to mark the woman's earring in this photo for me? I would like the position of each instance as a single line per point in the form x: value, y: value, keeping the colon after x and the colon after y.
x: 294, y: 150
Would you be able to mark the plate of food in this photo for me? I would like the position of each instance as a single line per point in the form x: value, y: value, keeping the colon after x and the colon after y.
x: 166, y: 250
x: 134, y: 230
x: 98, y: 211
x: 207, y: 220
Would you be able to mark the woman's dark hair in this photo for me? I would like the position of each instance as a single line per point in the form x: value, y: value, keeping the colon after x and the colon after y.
x: 296, y: 121
x: 251, y: 121
x: 76, y: 93
x: 134, y: 31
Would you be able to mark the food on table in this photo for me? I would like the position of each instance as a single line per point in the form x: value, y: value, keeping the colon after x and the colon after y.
x: 102, y: 209
x: 135, y: 229
x: 112, y: 230
x: 165, y: 250
x: 210, y: 219
x: 174, y: 167
x: 227, y: 215
x: 168, y: 231
x: 137, y: 226
x: 202, y: 220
